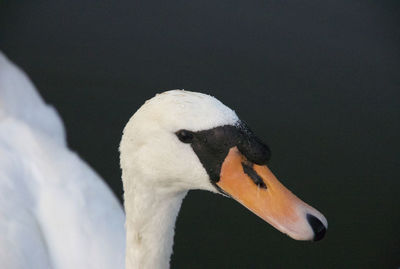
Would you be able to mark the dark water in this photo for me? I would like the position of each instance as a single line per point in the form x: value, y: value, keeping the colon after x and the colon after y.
x: 317, y: 80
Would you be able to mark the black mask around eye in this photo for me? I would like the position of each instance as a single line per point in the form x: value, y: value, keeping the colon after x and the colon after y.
x: 212, y: 146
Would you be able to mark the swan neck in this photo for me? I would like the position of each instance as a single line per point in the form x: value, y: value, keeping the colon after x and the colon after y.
x: 150, y: 224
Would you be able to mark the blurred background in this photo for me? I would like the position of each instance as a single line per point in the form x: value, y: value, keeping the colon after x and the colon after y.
x: 319, y: 81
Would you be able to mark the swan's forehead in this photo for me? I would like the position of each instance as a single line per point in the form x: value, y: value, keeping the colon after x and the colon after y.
x: 178, y: 109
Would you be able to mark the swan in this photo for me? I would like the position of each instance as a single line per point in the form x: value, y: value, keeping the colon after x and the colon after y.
x: 56, y: 212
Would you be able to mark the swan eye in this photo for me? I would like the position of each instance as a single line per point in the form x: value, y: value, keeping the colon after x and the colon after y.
x: 185, y: 136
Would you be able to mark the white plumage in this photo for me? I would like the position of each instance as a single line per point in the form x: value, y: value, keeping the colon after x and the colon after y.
x: 55, y: 211
x: 158, y: 170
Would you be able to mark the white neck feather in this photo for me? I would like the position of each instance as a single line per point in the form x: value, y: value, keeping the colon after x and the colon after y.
x: 158, y: 170
x: 150, y: 223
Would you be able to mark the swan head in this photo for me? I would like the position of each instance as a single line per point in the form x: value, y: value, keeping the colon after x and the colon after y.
x: 181, y: 140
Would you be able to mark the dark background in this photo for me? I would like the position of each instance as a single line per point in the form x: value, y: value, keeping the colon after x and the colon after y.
x: 318, y: 80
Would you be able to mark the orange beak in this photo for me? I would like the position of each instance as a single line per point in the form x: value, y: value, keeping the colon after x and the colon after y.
x: 257, y: 188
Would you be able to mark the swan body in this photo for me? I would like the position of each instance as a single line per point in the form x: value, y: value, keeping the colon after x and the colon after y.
x: 57, y: 213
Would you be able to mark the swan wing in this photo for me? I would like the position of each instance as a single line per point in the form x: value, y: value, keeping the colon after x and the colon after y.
x: 55, y: 211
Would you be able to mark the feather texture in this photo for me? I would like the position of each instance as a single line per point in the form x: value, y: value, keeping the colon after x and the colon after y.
x: 55, y: 211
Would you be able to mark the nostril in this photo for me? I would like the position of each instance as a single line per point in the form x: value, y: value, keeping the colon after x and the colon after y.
x: 317, y: 226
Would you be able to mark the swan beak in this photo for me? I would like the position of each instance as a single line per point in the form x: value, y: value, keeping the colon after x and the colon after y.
x: 257, y: 188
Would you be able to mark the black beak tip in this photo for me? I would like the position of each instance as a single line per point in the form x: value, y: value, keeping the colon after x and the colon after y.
x: 317, y: 226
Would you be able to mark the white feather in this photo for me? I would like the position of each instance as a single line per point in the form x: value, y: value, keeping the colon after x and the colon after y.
x: 55, y: 211
x: 158, y: 170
